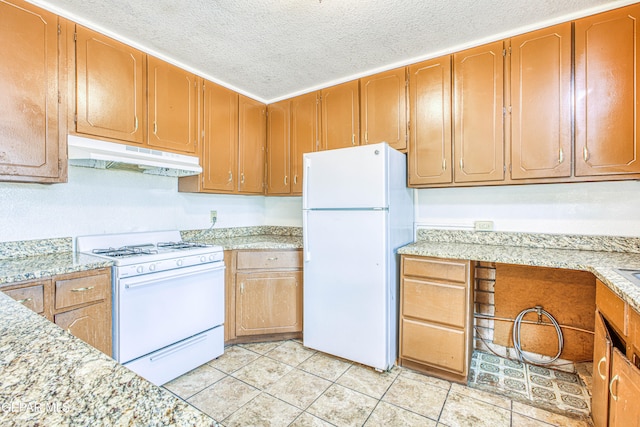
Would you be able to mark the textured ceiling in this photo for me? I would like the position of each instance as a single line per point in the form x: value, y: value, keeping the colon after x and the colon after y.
x: 271, y: 49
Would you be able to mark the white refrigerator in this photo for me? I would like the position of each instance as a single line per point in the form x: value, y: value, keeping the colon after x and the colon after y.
x: 357, y: 211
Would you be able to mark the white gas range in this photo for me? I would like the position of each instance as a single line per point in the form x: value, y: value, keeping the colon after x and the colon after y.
x: 168, y: 301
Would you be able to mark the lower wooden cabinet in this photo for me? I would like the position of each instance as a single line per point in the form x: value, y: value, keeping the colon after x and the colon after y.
x: 78, y: 302
x: 436, y: 302
x: 264, y: 294
x: 616, y: 376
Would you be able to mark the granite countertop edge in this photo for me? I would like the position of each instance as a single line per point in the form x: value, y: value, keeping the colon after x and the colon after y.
x: 600, y: 263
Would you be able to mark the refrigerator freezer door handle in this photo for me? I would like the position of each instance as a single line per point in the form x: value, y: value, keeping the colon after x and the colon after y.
x: 305, y: 236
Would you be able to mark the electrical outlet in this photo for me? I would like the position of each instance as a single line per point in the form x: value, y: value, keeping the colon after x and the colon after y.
x: 213, y: 216
x: 483, y: 225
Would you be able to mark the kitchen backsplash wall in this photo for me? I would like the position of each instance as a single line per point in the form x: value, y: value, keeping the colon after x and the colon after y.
x: 97, y: 201
x: 598, y: 208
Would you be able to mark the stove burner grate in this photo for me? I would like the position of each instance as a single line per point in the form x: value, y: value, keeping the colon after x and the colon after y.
x: 181, y: 245
x: 127, y: 251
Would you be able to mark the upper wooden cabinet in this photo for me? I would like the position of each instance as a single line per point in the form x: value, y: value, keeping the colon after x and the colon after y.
x: 429, y: 158
x: 251, y: 142
x: 383, y: 108
x: 541, y: 103
x: 278, y: 148
x: 340, y: 116
x: 607, y: 56
x: 110, y: 88
x: 173, y: 107
x: 305, y: 129
x: 478, y: 98
x: 220, y: 138
x: 33, y: 132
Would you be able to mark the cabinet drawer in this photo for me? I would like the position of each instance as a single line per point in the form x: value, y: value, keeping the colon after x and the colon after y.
x: 435, y: 302
x: 434, y: 345
x: 612, y: 307
x: 81, y: 290
x: 269, y: 259
x: 439, y: 269
x: 31, y: 297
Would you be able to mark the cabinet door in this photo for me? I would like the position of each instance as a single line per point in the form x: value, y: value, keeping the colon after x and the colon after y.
x: 268, y: 303
x: 173, y: 107
x: 340, y: 116
x: 429, y: 158
x: 92, y: 324
x: 478, y: 125
x: 251, y: 142
x: 541, y: 103
x: 601, y: 369
x: 278, y: 148
x: 625, y: 392
x: 220, y: 143
x: 305, y: 119
x: 383, y: 108
x: 607, y: 55
x: 110, y: 88
x: 32, y: 126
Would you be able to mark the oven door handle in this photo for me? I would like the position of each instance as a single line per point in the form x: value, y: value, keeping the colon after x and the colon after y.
x: 164, y: 279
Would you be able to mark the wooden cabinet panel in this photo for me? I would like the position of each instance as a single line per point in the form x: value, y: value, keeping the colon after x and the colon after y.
x: 383, y: 108
x: 436, y: 268
x: 442, y: 303
x: 278, y: 148
x: 436, y: 299
x: 612, y: 307
x: 541, y: 103
x: 434, y: 345
x: 92, y: 324
x: 251, y: 142
x: 75, y: 289
x: 32, y: 83
x: 601, y: 369
x: 340, y: 116
x: 220, y: 142
x: 268, y: 302
x: 269, y: 259
x: 478, y: 114
x: 634, y: 337
x: 110, y: 88
x: 625, y: 392
x: 173, y: 107
x: 305, y: 119
x: 606, y: 90
x: 31, y: 297
x: 429, y: 156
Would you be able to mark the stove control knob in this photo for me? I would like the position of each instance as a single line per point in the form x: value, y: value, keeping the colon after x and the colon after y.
x: 179, y: 263
x: 211, y: 257
x: 152, y: 267
x: 140, y: 269
x: 203, y: 259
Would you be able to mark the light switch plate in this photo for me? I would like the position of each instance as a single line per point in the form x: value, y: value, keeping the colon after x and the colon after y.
x: 483, y: 225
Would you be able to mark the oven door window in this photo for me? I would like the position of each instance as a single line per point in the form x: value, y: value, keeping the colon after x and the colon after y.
x: 155, y: 310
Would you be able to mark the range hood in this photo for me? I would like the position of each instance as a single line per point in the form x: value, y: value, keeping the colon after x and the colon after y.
x: 93, y: 153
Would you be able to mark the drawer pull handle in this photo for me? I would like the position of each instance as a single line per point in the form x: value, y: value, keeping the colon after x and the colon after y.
x: 613, y: 380
x: 88, y: 288
x: 604, y: 359
x: 275, y: 258
x: 23, y: 301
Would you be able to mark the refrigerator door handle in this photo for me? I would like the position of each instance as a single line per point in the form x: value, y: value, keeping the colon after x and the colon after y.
x: 305, y: 183
x: 305, y: 236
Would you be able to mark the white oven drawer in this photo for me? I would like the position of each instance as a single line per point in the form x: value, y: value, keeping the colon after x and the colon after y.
x: 168, y: 363
x: 156, y: 310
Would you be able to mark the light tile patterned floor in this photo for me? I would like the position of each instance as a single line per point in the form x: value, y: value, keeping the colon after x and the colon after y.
x: 556, y: 391
x: 286, y: 384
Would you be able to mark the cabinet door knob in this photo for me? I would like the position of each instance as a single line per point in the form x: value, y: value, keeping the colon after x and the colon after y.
x: 604, y: 359
x: 560, y: 156
x: 585, y: 153
x: 613, y: 380
x: 230, y: 176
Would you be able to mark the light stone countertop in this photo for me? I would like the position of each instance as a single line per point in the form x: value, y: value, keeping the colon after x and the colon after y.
x: 18, y: 269
x: 257, y: 242
x: 48, y: 377
x: 601, y: 263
